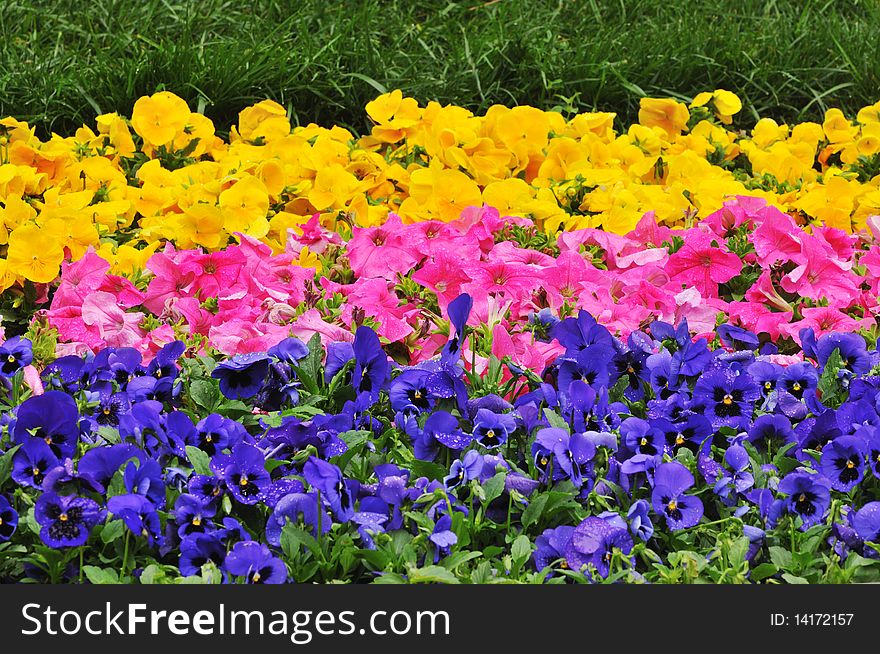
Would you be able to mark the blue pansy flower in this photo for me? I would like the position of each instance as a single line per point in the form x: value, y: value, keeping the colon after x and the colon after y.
x: 242, y: 376
x: 640, y: 524
x: 138, y: 514
x: 296, y: 508
x: 51, y: 417
x: 31, y: 462
x: 442, y: 537
x: 492, y: 429
x: 371, y: 368
x: 328, y: 480
x: 866, y: 522
x: 199, y: 549
x: 66, y: 520
x: 808, y: 496
x: 8, y: 519
x: 193, y: 515
x: 15, y: 354
x: 256, y: 563
x: 593, y: 543
x: 668, y: 498
x: 458, y: 310
x: 551, y: 546
x: 244, y: 472
x: 843, y: 462
x: 727, y: 397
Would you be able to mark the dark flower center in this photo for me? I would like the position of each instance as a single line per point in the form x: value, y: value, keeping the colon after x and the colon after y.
x: 673, y: 508
x: 805, y: 503
x: 849, y: 469
x: 727, y: 402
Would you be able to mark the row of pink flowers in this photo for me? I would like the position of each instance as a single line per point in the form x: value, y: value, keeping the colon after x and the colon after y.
x: 246, y: 298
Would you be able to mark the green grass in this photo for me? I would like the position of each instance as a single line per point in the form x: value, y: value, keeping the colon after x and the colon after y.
x: 63, y: 62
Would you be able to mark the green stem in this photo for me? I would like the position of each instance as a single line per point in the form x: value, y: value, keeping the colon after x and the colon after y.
x: 125, y: 554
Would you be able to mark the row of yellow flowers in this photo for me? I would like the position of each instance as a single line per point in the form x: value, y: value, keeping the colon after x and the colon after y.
x: 165, y: 175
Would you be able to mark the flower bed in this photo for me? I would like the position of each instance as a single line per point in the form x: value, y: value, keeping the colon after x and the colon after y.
x: 511, y: 347
x: 657, y: 458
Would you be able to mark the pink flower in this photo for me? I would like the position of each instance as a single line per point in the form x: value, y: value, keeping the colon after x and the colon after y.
x: 311, y: 323
x: 702, y: 263
x: 513, y: 279
x: 381, y: 251
x: 243, y: 336
x: 127, y: 295
x: 758, y: 318
x: 381, y: 304
x: 820, y: 275
x: 216, y: 273
x: 150, y: 344
x: 777, y: 238
x: 444, y: 276
x: 648, y: 232
x: 701, y: 312
x: 32, y: 380
x: 115, y: 327
x: 826, y: 319
x: 80, y: 278
x: 564, y: 279
x: 171, y: 280
x: 314, y: 236
x: 198, y: 319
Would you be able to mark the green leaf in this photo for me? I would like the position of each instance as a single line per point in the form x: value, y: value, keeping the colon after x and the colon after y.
x: 738, y: 550
x: 199, y: 459
x: 533, y: 511
x: 112, y: 531
x: 794, y: 579
x: 781, y: 557
x: 455, y: 559
x: 6, y: 464
x: 205, y: 393
x: 294, y: 539
x: 98, y: 575
x: 309, y: 370
x: 152, y: 574
x: 832, y: 392
x: 432, y: 574
x: 616, y: 394
x: 763, y: 571
x: 494, y: 487
x: 353, y: 439
x: 389, y: 578
x: 556, y: 420
x: 521, y: 550
x: 427, y: 469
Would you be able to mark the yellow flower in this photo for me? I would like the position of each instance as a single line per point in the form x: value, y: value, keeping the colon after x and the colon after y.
x: 266, y: 121
x: 116, y: 129
x: 334, y: 188
x: 34, y: 254
x: 201, y: 224
x: 444, y: 193
x: 724, y: 103
x: 393, y: 114
x: 245, y: 206
x: 7, y: 278
x: 159, y: 117
x: 308, y: 259
x: 15, y: 213
x: 836, y: 127
x: 869, y: 114
x: 75, y: 231
x: 668, y: 114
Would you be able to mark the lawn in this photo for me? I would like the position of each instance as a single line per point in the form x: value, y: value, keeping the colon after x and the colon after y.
x: 62, y: 63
